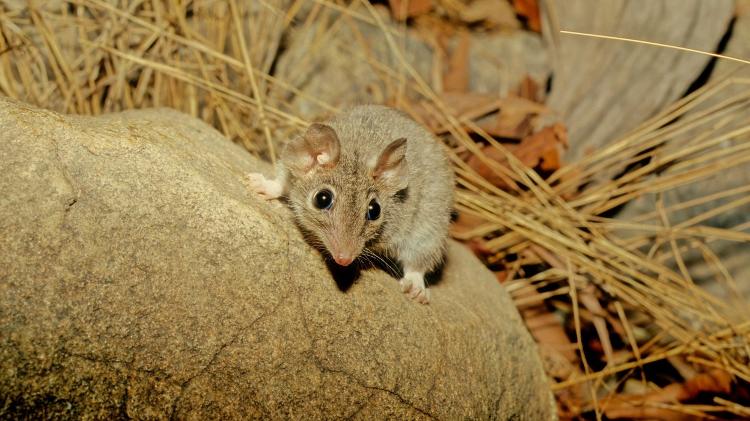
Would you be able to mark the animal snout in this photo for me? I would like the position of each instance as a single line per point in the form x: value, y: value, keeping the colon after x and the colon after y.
x: 342, y: 252
x: 343, y: 259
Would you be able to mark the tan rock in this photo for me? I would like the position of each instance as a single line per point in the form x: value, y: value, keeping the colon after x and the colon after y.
x: 606, y: 88
x: 358, y: 58
x: 140, y: 278
x: 734, y: 255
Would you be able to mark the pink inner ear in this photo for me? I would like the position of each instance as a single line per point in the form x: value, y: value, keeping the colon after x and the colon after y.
x: 391, y: 160
x: 323, y: 158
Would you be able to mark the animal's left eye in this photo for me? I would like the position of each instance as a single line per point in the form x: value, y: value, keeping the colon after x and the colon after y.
x: 323, y: 199
x: 373, y: 210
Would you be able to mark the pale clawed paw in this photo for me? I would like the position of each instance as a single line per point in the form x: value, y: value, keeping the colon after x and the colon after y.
x: 412, y: 284
x: 268, y: 189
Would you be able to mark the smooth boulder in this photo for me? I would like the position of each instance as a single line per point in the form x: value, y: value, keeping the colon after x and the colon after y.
x: 140, y: 278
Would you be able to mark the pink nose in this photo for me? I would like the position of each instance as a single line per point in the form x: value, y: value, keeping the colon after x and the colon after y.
x: 343, y: 260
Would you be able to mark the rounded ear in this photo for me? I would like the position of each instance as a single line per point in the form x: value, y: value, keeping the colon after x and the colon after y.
x: 319, y: 146
x: 390, y: 168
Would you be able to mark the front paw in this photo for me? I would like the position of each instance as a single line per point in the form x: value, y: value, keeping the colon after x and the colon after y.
x: 268, y: 189
x: 413, y: 285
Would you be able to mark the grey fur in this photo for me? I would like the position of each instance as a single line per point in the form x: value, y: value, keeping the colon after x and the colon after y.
x: 412, y: 227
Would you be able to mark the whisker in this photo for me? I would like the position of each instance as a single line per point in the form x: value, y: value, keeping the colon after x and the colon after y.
x: 384, y: 261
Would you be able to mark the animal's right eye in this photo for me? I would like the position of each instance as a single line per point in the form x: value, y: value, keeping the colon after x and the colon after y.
x: 323, y: 199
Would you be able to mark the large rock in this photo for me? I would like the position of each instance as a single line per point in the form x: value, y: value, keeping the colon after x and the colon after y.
x: 606, y: 88
x: 355, y: 54
x: 734, y: 255
x: 140, y: 278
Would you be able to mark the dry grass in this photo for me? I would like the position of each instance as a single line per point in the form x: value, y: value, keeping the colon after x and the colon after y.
x: 624, y: 280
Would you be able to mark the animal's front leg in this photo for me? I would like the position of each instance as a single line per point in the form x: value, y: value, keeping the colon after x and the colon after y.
x: 267, y: 188
x: 413, y: 284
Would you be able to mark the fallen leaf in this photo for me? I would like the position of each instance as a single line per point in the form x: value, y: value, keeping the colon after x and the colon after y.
x: 547, y: 330
x: 496, y: 13
x: 462, y: 227
x: 403, y: 9
x: 462, y: 105
x: 571, y: 193
x: 495, y: 177
x: 646, y: 405
x: 544, y: 148
x: 478, y: 247
x: 516, y: 118
x: 470, y: 105
x: 555, y: 364
x: 541, y: 149
x: 511, y: 117
x: 528, y: 89
x: 456, y: 78
x: 502, y: 276
x: 530, y: 10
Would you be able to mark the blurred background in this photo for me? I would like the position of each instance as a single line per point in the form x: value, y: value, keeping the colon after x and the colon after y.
x: 605, y: 182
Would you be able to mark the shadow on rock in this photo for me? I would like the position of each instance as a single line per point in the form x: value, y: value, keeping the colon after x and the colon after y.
x: 345, y: 276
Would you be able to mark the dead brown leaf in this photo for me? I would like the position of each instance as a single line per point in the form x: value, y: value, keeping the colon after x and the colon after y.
x: 547, y: 329
x: 496, y: 13
x: 502, y: 275
x: 485, y: 171
x: 462, y: 105
x: 544, y: 148
x: 478, y: 247
x: 530, y: 10
x: 456, y: 78
x: 528, y: 89
x: 464, y: 224
x: 516, y: 118
x: 645, y: 406
x: 540, y: 150
x: 403, y: 9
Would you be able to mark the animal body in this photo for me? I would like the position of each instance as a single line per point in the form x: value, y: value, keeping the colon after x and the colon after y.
x: 369, y: 182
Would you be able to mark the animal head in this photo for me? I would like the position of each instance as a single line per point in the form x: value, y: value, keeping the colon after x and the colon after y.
x: 342, y: 199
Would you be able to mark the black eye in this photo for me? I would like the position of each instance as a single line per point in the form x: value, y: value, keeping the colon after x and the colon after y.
x: 323, y: 199
x: 373, y: 210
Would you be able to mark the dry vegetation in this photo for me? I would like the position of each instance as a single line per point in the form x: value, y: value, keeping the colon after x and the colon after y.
x: 625, y: 329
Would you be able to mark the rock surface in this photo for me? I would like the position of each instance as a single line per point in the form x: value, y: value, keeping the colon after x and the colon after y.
x: 605, y: 88
x: 358, y: 57
x: 734, y: 255
x: 139, y: 278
